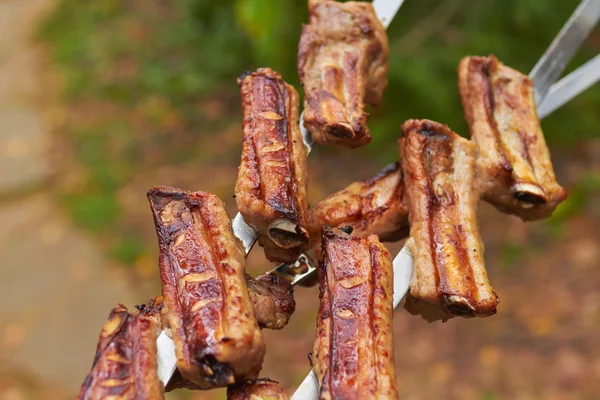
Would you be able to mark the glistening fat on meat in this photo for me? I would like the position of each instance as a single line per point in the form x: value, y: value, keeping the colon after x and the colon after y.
x: 374, y: 206
x: 353, y: 349
x: 449, y: 273
x: 207, y: 310
x: 125, y: 365
x: 343, y: 65
x: 271, y: 185
x: 513, y: 165
x: 371, y: 207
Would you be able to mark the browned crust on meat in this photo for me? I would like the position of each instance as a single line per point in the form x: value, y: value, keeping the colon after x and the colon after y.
x: 514, y: 166
x: 125, y: 362
x: 353, y: 349
x: 273, y: 303
x: 272, y: 299
x: 278, y: 254
x: 439, y: 170
x: 206, y: 310
x: 343, y: 64
x: 259, y: 389
x: 271, y: 185
x: 371, y: 207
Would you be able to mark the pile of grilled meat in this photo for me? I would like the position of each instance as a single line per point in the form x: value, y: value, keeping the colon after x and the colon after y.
x: 214, y: 311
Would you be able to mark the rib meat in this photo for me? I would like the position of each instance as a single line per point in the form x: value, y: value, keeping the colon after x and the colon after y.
x: 353, y: 349
x: 371, y: 207
x: 125, y: 363
x: 272, y: 299
x: 207, y: 310
x: 343, y: 65
x: 275, y: 253
x: 273, y: 303
x: 449, y: 271
x: 514, y: 167
x: 271, y: 185
x: 259, y: 389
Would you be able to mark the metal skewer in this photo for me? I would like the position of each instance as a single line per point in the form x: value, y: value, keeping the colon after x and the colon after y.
x: 543, y: 74
x: 549, y: 96
x: 167, y: 361
x: 403, y: 268
x: 570, y: 86
x: 564, y: 46
x: 546, y: 71
x: 386, y: 11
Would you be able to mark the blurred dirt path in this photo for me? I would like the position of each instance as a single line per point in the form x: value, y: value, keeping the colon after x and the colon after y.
x: 55, y: 293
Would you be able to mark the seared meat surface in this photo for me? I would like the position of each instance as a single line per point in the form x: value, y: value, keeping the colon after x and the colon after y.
x: 271, y: 185
x: 449, y: 271
x: 272, y: 299
x: 353, y: 350
x: 273, y: 303
x: 125, y: 363
x: 371, y: 207
x: 343, y: 65
x: 259, y: 389
x: 514, y: 167
x: 207, y: 310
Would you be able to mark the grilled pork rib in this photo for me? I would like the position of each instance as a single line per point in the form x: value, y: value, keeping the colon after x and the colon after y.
x: 273, y: 303
x: 353, y: 349
x: 125, y: 364
x: 343, y: 65
x: 371, y: 207
x: 439, y: 174
x: 259, y: 389
x: 275, y: 253
x: 207, y: 309
x: 272, y: 299
x: 514, y: 167
x: 271, y: 185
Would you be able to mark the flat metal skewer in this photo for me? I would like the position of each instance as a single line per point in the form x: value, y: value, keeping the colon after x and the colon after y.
x: 564, y: 46
x: 167, y: 361
x: 570, y: 86
x: 587, y: 13
x: 548, y: 69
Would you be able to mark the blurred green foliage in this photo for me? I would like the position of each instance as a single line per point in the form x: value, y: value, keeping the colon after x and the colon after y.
x: 157, y: 62
x: 510, y: 255
x: 192, y: 48
x: 488, y: 396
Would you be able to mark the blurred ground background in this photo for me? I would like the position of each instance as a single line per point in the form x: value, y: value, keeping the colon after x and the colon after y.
x: 101, y: 100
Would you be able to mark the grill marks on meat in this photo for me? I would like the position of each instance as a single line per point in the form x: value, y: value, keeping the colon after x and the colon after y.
x: 439, y: 168
x: 514, y: 166
x: 353, y: 349
x: 125, y: 364
x: 343, y: 64
x: 271, y: 186
x: 206, y: 310
x: 259, y: 389
x: 273, y: 303
x: 371, y: 207
x: 272, y: 299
